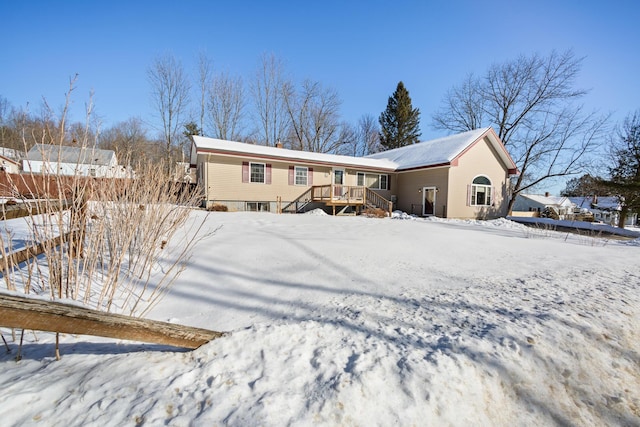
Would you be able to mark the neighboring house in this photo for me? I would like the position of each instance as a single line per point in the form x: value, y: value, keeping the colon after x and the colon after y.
x: 184, y: 173
x: 65, y: 160
x: 539, y: 205
x: 459, y: 176
x: 604, y: 209
x: 10, y: 160
x: 8, y: 165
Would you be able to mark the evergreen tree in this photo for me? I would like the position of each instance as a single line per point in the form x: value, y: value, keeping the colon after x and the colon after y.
x: 400, y: 122
x: 585, y: 186
x: 625, y: 167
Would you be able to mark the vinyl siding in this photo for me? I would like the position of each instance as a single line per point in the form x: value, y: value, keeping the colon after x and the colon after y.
x: 224, y: 177
x: 480, y: 159
x: 408, y: 187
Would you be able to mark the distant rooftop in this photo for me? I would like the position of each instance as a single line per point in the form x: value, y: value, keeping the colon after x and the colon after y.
x: 73, y: 155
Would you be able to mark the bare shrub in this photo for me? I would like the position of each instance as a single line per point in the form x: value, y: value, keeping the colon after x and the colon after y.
x: 109, y: 243
x: 218, y: 208
x: 375, y: 212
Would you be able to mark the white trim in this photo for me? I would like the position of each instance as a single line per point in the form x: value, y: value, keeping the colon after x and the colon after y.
x: 380, y: 175
x: 264, y: 173
x: 333, y: 176
x: 488, y: 190
x: 435, y: 194
x: 295, y: 175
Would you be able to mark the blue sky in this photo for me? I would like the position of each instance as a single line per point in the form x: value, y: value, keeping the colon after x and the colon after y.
x: 361, y: 49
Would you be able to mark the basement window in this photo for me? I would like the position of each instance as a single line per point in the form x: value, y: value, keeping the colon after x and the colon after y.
x: 257, y: 207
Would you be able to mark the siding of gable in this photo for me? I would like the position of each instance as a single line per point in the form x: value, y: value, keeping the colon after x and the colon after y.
x: 480, y: 159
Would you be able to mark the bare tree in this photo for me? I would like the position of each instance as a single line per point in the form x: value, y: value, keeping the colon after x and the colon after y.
x: 267, y: 93
x: 170, y: 94
x: 531, y: 103
x: 314, y: 117
x: 9, y: 134
x: 362, y: 139
x: 226, y: 105
x: 205, y: 70
x: 463, y: 107
x: 129, y: 140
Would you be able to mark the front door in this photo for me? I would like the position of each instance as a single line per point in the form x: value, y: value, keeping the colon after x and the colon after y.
x: 338, y: 182
x: 428, y: 201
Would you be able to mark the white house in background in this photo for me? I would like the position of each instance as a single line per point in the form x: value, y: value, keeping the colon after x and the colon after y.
x: 9, y: 165
x: 604, y: 209
x: 10, y: 160
x: 64, y: 160
x: 556, y: 207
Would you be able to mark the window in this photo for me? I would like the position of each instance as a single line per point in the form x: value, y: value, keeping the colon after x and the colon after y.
x: 257, y: 172
x: 257, y: 206
x: 373, y: 180
x: 301, y: 174
x: 481, y: 191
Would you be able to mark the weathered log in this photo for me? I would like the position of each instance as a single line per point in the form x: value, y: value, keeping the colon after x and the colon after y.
x: 28, y: 313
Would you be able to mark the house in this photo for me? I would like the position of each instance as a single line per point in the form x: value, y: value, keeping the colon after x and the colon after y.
x: 65, y: 160
x: 605, y: 209
x: 544, y: 206
x: 10, y: 160
x: 459, y: 176
x: 9, y: 165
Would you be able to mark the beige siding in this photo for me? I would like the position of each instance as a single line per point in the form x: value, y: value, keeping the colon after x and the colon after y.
x: 408, y: 189
x: 224, y: 177
x: 480, y: 159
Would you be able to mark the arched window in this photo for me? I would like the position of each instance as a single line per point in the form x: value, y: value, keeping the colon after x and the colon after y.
x: 481, y: 191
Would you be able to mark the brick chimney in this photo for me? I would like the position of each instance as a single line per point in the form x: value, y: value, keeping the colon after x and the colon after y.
x: 546, y: 194
x: 278, y: 144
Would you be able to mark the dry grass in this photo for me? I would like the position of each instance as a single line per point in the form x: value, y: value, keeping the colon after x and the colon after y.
x: 375, y: 213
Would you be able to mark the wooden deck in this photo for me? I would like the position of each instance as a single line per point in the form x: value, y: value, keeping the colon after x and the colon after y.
x: 349, y: 195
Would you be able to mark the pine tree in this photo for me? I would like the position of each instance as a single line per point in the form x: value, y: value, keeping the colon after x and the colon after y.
x: 400, y: 122
x: 625, y: 167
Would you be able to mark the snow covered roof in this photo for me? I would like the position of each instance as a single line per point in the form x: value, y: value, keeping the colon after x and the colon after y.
x: 65, y: 154
x: 602, y: 203
x: 11, y: 154
x: 441, y: 151
x: 548, y: 200
x: 204, y: 144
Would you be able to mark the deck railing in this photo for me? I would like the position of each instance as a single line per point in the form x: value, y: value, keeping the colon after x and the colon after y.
x: 350, y: 195
x: 376, y: 200
x: 343, y: 194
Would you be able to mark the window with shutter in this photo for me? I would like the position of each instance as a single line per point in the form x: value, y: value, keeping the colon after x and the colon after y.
x: 302, y: 174
x: 258, y: 173
x: 481, y: 191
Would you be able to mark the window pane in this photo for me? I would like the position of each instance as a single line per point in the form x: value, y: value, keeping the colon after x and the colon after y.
x: 483, y: 180
x: 301, y: 176
x: 360, y: 179
x: 257, y: 172
x: 372, y: 180
x: 480, y: 195
x: 383, y: 182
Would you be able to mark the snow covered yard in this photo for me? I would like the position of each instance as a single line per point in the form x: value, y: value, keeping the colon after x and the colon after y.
x: 361, y: 321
